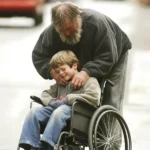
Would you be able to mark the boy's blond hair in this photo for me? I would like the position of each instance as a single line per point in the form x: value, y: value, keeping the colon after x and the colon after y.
x: 63, y: 57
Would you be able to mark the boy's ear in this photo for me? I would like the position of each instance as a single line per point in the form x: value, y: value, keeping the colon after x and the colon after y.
x: 75, y: 65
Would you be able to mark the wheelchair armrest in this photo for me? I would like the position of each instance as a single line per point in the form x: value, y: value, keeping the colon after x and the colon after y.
x: 83, y: 108
x: 36, y: 100
x: 81, y: 115
x: 104, y: 83
x: 81, y: 102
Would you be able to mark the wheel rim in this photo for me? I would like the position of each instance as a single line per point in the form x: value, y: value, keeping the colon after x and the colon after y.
x: 108, y: 133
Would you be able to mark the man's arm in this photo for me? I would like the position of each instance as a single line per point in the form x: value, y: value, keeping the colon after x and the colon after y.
x: 41, y: 54
x: 105, y: 53
x: 105, y: 56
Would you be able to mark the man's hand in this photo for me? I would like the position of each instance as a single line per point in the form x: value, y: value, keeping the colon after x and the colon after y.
x: 79, y: 79
x: 57, y: 77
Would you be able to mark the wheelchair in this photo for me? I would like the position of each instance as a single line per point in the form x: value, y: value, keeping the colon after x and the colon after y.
x: 99, y: 128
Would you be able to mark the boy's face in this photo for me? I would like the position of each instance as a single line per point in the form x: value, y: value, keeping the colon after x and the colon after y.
x: 67, y: 72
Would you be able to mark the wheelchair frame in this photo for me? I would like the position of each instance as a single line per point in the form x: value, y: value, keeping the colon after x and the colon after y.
x: 89, y: 132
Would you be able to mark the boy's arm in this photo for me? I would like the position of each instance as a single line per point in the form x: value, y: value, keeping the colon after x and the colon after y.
x: 48, y: 95
x: 90, y: 95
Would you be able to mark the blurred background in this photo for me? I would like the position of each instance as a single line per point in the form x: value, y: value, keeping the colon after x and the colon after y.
x: 19, y: 79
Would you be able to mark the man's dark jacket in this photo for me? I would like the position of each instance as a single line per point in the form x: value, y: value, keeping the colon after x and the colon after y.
x: 101, y: 45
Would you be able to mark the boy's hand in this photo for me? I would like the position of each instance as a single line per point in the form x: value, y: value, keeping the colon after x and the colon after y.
x: 79, y: 79
x: 57, y: 103
x: 57, y: 77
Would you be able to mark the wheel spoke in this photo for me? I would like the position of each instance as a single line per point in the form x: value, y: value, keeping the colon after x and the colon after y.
x: 101, y: 129
x: 105, y: 147
x: 106, y: 129
x: 100, y: 140
x: 101, y: 145
x: 119, y: 144
x: 112, y: 125
x: 115, y: 136
x: 109, y: 132
x: 101, y: 135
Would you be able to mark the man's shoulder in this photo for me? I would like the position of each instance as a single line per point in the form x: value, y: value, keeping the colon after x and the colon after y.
x: 49, y: 29
x: 50, y: 36
x: 90, y: 14
x: 94, y: 18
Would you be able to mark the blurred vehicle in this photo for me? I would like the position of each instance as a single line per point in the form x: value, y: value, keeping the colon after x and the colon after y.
x: 27, y: 8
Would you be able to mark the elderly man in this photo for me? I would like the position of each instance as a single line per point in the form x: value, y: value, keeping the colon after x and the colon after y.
x: 98, y: 42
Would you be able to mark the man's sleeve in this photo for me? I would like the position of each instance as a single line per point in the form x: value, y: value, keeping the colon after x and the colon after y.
x: 91, y: 94
x: 105, y: 53
x: 41, y: 55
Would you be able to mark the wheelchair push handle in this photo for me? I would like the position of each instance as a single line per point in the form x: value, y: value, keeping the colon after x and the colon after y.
x: 104, y: 82
x: 110, y: 82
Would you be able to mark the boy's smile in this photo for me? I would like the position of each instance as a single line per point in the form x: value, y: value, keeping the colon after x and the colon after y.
x: 67, y: 72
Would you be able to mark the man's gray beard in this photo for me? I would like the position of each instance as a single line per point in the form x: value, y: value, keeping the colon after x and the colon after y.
x: 72, y: 40
x: 75, y: 38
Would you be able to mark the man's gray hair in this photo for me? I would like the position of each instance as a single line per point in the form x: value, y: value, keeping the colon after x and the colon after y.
x: 64, y: 10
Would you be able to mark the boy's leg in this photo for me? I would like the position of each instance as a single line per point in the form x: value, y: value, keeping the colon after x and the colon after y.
x: 31, y: 129
x: 56, y: 123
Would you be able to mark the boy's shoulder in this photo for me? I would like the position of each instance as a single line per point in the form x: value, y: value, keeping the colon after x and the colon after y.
x: 92, y: 80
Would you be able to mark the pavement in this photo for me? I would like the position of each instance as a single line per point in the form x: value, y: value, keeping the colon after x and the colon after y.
x: 137, y: 107
x: 17, y: 83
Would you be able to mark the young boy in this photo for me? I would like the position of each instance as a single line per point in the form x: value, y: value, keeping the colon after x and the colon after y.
x: 57, y: 100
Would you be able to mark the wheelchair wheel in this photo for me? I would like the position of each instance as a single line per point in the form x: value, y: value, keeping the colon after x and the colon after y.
x: 108, y: 130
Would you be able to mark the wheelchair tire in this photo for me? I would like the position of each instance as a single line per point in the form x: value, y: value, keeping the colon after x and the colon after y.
x: 108, y: 130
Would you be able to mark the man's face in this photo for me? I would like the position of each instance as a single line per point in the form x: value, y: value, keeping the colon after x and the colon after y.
x: 71, y: 31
